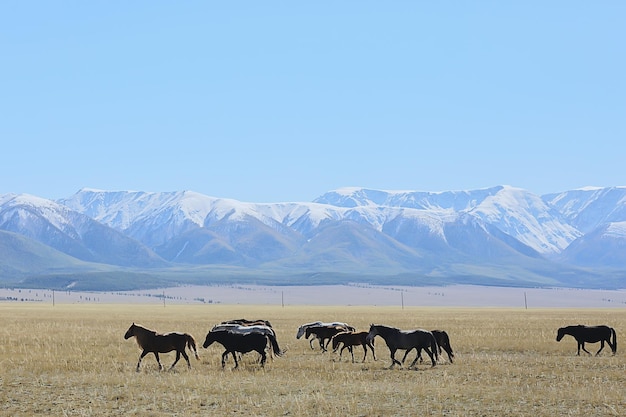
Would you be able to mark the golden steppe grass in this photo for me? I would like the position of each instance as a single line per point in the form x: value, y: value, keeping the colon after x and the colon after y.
x: 72, y: 360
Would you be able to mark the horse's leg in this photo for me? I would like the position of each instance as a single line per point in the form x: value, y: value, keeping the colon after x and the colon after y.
x: 270, y: 349
x: 321, y: 341
x: 263, y: 357
x: 186, y: 358
x: 351, y: 352
x: 371, y: 345
x: 406, y: 353
x: 582, y: 345
x: 449, y: 352
x: 326, y: 345
x: 393, y: 358
x: 601, y: 347
x: 236, y: 363
x: 341, y: 351
x: 224, y: 355
x: 430, y: 354
x: 156, y: 355
x: 144, y: 353
x: 364, y: 351
x: 314, y: 338
x: 416, y: 357
x: 176, y: 360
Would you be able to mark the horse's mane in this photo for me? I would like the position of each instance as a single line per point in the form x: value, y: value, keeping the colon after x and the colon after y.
x: 313, y: 323
x: 386, y: 327
x: 145, y: 329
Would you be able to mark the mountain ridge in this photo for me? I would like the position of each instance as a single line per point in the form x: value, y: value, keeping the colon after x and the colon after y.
x: 349, y: 232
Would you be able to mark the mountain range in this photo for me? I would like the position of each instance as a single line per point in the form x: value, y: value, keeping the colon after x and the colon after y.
x: 501, y: 235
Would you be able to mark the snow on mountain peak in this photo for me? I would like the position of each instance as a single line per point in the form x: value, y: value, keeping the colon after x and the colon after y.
x: 27, y: 204
x: 526, y: 217
x: 616, y: 230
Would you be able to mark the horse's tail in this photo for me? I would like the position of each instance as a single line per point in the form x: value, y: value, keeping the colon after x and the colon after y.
x: 191, y: 344
x: 434, y: 347
x: 614, y: 347
x: 275, y: 346
x: 332, y: 342
x: 446, y: 340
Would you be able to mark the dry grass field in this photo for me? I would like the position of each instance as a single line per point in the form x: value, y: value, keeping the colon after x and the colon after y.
x: 72, y: 360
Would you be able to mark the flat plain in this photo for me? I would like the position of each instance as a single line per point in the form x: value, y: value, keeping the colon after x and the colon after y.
x: 72, y: 360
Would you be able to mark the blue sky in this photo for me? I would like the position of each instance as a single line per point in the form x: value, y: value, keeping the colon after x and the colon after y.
x: 283, y: 101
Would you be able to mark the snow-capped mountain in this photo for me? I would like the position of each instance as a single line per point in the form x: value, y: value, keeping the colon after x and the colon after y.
x: 591, y: 207
x: 500, y: 232
x: 603, y: 247
x: 71, y: 232
x: 514, y: 211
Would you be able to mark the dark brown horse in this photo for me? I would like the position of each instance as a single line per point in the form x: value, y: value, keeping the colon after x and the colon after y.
x: 405, y: 339
x: 590, y: 334
x: 443, y: 342
x: 350, y: 339
x: 151, y: 341
x: 323, y: 334
x: 241, y: 343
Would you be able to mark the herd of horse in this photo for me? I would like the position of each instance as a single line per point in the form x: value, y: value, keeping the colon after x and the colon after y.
x: 242, y: 336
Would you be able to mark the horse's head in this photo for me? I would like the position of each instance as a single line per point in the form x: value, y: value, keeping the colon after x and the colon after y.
x: 559, y: 334
x: 300, y: 332
x: 372, y: 333
x: 130, y: 332
x: 210, y: 338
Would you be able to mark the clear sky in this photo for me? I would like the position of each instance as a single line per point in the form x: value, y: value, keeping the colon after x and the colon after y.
x: 265, y: 101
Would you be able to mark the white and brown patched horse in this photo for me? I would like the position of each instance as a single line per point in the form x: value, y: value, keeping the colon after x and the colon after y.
x: 152, y: 342
x: 259, y: 327
x: 321, y: 331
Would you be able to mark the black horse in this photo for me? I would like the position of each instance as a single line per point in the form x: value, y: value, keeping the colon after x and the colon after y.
x: 242, y: 343
x: 350, y: 339
x: 590, y: 334
x: 443, y: 342
x: 405, y: 339
x: 323, y: 333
